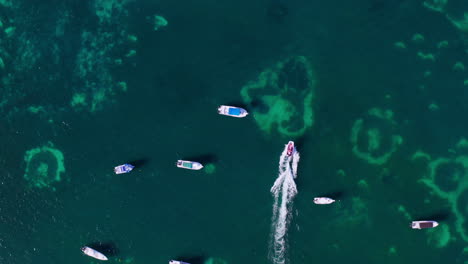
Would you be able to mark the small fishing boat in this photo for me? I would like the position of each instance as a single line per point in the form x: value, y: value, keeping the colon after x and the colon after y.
x: 423, y: 224
x: 232, y: 111
x: 323, y: 200
x: 125, y: 168
x: 177, y: 262
x: 93, y: 253
x: 190, y: 165
x: 290, y: 148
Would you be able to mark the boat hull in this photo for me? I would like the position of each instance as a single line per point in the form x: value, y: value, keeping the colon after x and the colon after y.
x: 177, y: 262
x: 93, y: 253
x: 423, y: 224
x: 290, y: 150
x: 189, y: 165
x: 233, y: 111
x: 323, y: 200
x: 125, y: 168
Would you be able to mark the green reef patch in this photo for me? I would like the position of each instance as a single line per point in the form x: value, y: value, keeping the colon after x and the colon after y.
x: 353, y: 212
x: 281, y: 97
x: 447, y: 174
x: 210, y: 168
x: 44, y: 166
x: 447, y: 177
x: 439, y: 237
x: 374, y: 136
x: 37, y: 52
x: 215, y: 261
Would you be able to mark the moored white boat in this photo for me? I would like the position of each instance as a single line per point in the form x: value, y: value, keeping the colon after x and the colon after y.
x: 177, y: 262
x: 93, y: 253
x: 232, y: 111
x: 323, y: 200
x: 124, y: 168
x: 190, y: 165
x: 423, y: 224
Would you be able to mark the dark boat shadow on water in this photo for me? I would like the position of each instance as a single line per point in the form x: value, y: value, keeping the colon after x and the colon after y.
x: 192, y: 259
x: 139, y: 163
x: 299, y: 142
x: 237, y: 104
x: 203, y: 158
x: 441, y: 216
x: 258, y: 106
x: 335, y: 195
x: 107, y: 248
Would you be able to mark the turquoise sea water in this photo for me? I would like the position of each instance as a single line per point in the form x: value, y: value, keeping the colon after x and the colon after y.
x: 95, y: 80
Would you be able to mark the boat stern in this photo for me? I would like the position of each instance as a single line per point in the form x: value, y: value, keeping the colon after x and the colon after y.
x: 118, y: 170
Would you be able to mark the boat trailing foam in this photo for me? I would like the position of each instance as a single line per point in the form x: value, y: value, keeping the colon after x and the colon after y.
x: 283, y: 191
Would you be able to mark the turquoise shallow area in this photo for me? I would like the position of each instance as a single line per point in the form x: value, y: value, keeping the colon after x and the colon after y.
x: 54, y: 51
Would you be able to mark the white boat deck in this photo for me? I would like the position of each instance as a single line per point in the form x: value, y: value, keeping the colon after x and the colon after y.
x: 233, y: 111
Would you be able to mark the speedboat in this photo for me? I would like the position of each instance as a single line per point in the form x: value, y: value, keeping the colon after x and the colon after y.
x: 290, y: 148
x: 232, y: 111
x: 93, y: 253
x: 177, y: 262
x: 125, y: 168
x: 423, y: 224
x: 323, y: 200
x: 190, y: 165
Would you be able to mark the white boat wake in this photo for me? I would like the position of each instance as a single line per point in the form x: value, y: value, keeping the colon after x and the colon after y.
x: 283, y: 192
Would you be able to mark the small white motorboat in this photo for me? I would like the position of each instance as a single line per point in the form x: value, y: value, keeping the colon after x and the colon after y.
x: 190, y: 165
x: 323, y: 200
x: 290, y: 148
x: 93, y: 253
x: 177, y: 262
x: 125, y: 168
x: 423, y: 224
x: 232, y: 111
